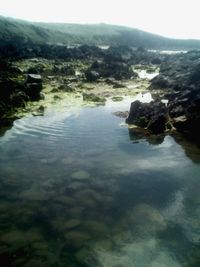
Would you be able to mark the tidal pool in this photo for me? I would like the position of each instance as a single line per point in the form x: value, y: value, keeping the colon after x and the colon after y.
x: 80, y: 189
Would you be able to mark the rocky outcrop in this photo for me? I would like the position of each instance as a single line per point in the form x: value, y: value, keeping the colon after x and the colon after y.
x: 152, y: 116
x: 117, y: 70
x: 178, y: 72
x: 185, y: 113
x: 180, y: 78
x: 33, y: 86
x: 92, y: 75
x: 14, y: 91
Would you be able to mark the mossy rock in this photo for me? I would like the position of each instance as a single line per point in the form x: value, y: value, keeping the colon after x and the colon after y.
x: 117, y: 98
x: 142, y: 121
x: 93, y: 98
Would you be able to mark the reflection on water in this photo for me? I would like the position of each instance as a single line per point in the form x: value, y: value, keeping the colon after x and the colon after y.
x: 137, y: 135
x: 5, y: 126
x: 80, y: 189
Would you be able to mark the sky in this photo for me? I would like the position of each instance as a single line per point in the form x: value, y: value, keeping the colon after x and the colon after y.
x: 171, y: 18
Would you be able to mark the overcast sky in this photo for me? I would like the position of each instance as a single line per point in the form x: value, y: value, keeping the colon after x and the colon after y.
x: 172, y: 18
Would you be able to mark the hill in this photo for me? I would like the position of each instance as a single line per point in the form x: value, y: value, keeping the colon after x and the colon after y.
x: 19, y: 31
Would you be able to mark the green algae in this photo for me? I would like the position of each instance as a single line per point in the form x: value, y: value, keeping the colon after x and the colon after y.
x: 117, y: 98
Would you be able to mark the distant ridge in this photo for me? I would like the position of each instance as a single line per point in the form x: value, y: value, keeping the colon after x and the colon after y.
x: 19, y: 31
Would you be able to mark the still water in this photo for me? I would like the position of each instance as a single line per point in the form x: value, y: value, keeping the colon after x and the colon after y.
x: 78, y: 189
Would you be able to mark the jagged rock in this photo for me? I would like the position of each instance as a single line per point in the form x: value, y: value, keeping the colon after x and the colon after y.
x: 92, y: 75
x: 160, y: 81
x: 152, y: 116
x: 157, y: 124
x: 180, y: 74
x: 18, y: 99
x: 33, y: 78
x: 39, y: 68
x: 64, y: 70
x: 111, y: 69
x: 114, y: 83
x: 33, y: 86
x: 33, y: 90
x: 185, y: 113
x: 156, y: 61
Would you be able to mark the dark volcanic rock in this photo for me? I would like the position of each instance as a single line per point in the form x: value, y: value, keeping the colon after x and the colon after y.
x: 180, y: 74
x: 33, y: 90
x: 117, y: 70
x: 179, y: 71
x: 18, y: 99
x: 34, y: 78
x: 152, y: 116
x: 185, y: 113
x: 157, y: 124
x: 64, y: 70
x: 92, y: 75
x: 161, y: 81
x: 33, y: 86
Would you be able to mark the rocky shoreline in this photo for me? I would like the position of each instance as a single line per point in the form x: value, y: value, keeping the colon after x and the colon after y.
x: 24, y: 76
x: 83, y: 70
x: 179, y: 84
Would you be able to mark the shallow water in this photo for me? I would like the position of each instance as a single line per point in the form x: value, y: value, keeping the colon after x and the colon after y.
x: 78, y: 188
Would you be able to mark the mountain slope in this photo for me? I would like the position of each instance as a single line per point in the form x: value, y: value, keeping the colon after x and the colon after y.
x: 18, y: 31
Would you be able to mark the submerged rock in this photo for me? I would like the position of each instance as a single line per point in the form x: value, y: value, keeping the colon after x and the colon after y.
x: 61, y: 224
x: 145, y: 219
x: 34, y: 263
x: 77, y: 238
x: 96, y: 227
x: 80, y: 175
x: 84, y: 255
x: 72, y: 223
x: 20, y: 238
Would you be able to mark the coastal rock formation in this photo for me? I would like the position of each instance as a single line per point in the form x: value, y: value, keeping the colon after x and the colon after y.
x: 33, y: 86
x: 152, y: 116
x: 14, y: 91
x: 180, y: 78
x: 111, y: 69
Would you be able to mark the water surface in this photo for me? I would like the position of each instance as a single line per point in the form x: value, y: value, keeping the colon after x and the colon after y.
x: 78, y: 188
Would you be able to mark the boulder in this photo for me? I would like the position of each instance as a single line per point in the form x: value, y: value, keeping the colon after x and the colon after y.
x: 33, y: 86
x: 156, y: 61
x: 181, y: 75
x: 152, y: 116
x: 33, y: 90
x: 92, y: 75
x: 157, y: 124
x: 185, y: 114
x: 160, y: 82
x: 18, y: 99
x: 33, y: 78
x: 112, y: 69
x: 39, y: 68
